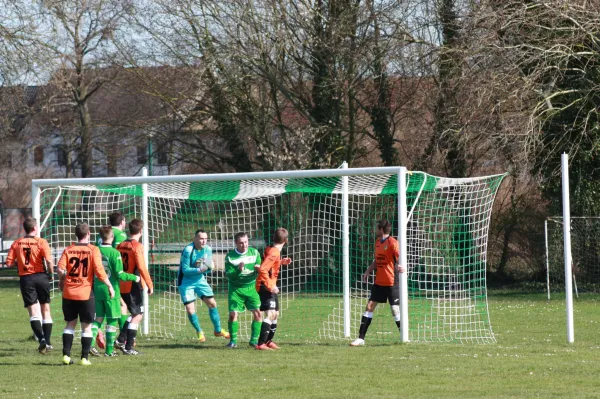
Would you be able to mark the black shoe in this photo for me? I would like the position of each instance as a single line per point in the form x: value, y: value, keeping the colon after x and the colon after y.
x: 120, y: 345
x: 114, y: 354
x: 231, y: 345
x: 131, y: 352
x: 94, y: 352
x: 43, y: 347
x: 49, y: 348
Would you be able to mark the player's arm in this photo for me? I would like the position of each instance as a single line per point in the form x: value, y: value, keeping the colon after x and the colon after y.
x: 141, y: 265
x: 62, y: 270
x: 369, y: 271
x: 11, y: 259
x: 121, y: 274
x: 399, y: 267
x: 209, y: 262
x: 185, y: 263
x: 47, y: 255
x: 100, y: 272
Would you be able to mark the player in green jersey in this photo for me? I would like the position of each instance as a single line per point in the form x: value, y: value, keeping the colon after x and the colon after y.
x: 105, y: 306
x: 241, y: 269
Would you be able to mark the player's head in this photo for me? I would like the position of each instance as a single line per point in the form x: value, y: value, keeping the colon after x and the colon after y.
x: 82, y: 231
x: 107, y: 235
x: 117, y: 219
x: 29, y: 225
x: 280, y: 236
x: 241, y: 242
x: 200, y: 238
x: 135, y: 226
x: 384, y: 227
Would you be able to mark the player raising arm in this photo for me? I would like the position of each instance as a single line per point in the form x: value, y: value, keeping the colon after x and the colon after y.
x: 266, y: 286
x: 241, y: 265
x: 29, y: 254
x: 132, y: 253
x: 76, y: 269
x: 105, y: 305
x: 196, y: 262
x: 387, y: 279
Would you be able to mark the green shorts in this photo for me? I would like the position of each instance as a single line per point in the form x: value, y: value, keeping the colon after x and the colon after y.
x: 243, y: 298
x: 110, y: 308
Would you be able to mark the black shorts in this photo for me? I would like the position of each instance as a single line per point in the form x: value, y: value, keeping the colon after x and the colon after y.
x: 382, y: 294
x: 35, y: 287
x: 268, y: 300
x: 85, y: 310
x: 134, y: 300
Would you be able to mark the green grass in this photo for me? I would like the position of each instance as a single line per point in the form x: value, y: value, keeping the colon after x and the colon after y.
x: 531, y: 359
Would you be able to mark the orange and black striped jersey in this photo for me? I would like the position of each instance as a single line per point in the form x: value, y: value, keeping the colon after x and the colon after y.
x: 387, y: 252
x: 80, y: 262
x: 132, y: 253
x: 30, y: 253
x: 269, y: 269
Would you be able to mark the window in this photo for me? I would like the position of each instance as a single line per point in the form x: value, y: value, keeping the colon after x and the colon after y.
x: 160, y: 156
x: 111, y: 164
x: 62, y: 155
x: 142, y: 155
x: 38, y: 155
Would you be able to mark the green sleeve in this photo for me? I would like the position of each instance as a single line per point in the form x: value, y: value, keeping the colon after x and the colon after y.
x: 119, y: 270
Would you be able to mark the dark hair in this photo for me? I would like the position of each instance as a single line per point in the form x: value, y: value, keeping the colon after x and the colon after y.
x: 280, y: 236
x: 81, y: 230
x: 239, y: 235
x: 105, y: 233
x: 198, y: 232
x: 29, y: 225
x: 116, y: 218
x: 385, y: 225
x: 135, y: 226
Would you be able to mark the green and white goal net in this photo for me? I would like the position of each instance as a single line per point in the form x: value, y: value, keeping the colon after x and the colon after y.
x: 447, y: 222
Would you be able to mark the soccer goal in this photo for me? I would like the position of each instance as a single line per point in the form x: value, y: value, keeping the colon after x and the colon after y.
x: 585, y: 250
x: 442, y: 225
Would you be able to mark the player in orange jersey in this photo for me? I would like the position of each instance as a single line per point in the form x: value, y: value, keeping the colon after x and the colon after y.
x: 29, y: 254
x: 266, y: 286
x: 76, y: 269
x: 387, y: 279
x: 132, y: 253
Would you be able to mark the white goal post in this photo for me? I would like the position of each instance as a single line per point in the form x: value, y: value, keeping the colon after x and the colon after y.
x: 442, y: 226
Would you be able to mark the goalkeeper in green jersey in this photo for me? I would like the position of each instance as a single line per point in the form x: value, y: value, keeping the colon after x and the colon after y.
x: 105, y: 306
x: 241, y: 269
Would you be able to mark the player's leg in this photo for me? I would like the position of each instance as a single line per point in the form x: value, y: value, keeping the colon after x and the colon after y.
x: 112, y: 325
x: 101, y: 306
x: 394, y: 300
x: 32, y: 304
x: 235, y: 304
x: 188, y: 298
x: 252, y: 303
x: 86, y: 317
x: 136, y: 308
x: 125, y: 319
x: 379, y: 294
x: 273, y: 316
x: 70, y: 312
x: 43, y: 293
x: 205, y: 292
x: 267, y: 305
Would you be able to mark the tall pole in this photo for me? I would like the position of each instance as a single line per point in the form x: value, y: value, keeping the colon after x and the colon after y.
x: 149, y: 156
x: 547, y: 258
x: 346, y: 251
x: 402, y: 240
x: 146, y: 246
x: 567, y: 246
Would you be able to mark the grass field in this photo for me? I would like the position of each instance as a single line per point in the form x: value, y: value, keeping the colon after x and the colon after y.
x: 531, y: 359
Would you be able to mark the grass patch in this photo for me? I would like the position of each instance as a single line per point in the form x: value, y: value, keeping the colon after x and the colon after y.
x: 531, y: 359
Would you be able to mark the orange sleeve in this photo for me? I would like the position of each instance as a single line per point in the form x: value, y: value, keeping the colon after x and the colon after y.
x: 98, y: 268
x: 62, y: 263
x: 10, y: 259
x: 46, y: 253
x: 263, y: 273
x: 396, y: 251
x: 141, y: 265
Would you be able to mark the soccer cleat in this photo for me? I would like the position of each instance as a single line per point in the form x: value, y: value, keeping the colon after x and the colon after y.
x: 100, y: 340
x: 43, y: 347
x: 201, y: 336
x: 272, y: 345
x: 263, y: 347
x: 223, y: 333
x: 85, y: 362
x: 66, y: 360
x: 231, y: 345
x: 94, y: 352
x: 120, y: 345
x: 358, y: 342
x: 114, y: 354
x: 49, y: 348
x: 131, y: 352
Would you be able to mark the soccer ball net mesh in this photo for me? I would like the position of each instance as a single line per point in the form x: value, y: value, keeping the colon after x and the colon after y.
x: 448, y: 221
x: 585, y: 253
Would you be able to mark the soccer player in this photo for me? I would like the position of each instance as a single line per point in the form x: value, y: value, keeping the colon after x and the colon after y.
x: 105, y: 305
x: 132, y: 253
x: 76, y: 269
x: 387, y: 279
x: 241, y: 265
x: 196, y: 262
x: 266, y: 286
x: 29, y: 254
